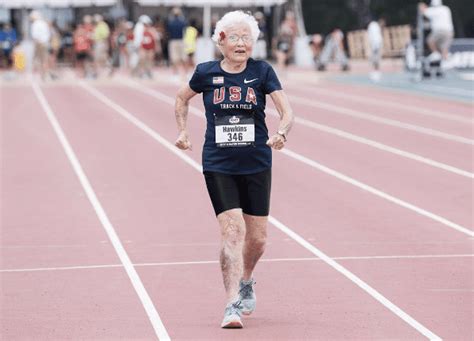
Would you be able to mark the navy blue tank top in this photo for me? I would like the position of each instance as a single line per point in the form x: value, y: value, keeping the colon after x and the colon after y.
x: 236, y: 133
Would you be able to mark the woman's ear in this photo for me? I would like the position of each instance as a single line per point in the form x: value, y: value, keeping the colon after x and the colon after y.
x: 221, y: 37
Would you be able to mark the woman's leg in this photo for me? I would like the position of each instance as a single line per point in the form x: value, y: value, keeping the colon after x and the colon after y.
x: 231, y: 256
x: 255, y: 240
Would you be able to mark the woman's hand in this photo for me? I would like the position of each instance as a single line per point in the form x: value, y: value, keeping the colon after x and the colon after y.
x: 282, y: 105
x: 276, y: 141
x: 182, y: 142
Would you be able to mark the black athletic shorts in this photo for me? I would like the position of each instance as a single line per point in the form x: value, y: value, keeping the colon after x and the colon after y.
x: 250, y: 192
x: 83, y: 56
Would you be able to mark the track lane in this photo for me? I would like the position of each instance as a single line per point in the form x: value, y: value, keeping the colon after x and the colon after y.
x: 442, y: 293
x: 66, y: 305
x: 391, y: 110
x: 450, y: 152
x: 37, y: 228
x: 418, y: 100
x: 47, y: 221
x: 145, y: 104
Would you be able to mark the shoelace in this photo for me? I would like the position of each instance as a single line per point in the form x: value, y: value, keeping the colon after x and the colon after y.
x: 235, y: 307
x: 246, y: 290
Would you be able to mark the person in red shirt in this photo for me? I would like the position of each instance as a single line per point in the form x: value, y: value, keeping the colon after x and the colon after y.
x: 147, y: 50
x: 82, y: 50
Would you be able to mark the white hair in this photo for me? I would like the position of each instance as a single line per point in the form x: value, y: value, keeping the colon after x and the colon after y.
x: 435, y: 3
x: 36, y: 15
x: 235, y: 18
x: 145, y: 19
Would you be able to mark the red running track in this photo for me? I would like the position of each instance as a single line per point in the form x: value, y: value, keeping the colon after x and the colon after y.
x: 62, y: 278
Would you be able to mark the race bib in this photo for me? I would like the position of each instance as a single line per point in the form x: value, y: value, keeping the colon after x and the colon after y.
x: 234, y: 131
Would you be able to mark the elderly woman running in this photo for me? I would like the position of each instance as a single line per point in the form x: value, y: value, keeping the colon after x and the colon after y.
x: 237, y: 157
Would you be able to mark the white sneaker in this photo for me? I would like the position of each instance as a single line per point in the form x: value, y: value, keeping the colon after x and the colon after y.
x: 434, y: 57
x: 232, y: 314
x: 247, y: 296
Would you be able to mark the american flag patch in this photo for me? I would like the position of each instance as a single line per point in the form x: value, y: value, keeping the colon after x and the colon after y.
x: 218, y: 80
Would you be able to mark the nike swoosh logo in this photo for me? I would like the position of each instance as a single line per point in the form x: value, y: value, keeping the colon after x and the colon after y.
x: 249, y: 81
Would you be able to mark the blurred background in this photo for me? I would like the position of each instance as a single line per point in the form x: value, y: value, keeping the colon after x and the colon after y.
x: 101, y: 37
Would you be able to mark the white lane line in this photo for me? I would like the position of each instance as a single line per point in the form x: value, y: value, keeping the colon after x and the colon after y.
x: 371, y: 291
x: 377, y: 119
x: 42, y: 246
x: 377, y: 192
x: 452, y: 290
x: 204, y: 262
x: 327, y: 170
x: 385, y: 103
x: 62, y: 268
x: 437, y: 88
x: 355, y: 279
x: 147, y: 303
x: 380, y: 146
x: 467, y: 255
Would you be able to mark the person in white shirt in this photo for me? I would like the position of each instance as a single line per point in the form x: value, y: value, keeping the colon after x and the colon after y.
x: 138, y: 33
x: 442, y: 30
x: 375, y: 37
x: 41, y: 35
x: 334, y: 46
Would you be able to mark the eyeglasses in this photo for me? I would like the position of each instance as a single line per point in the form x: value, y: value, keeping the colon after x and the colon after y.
x: 233, y: 38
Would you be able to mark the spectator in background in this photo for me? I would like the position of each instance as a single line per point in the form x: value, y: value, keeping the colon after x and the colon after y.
x: 67, y: 45
x: 118, y: 43
x: 175, y: 27
x: 8, y: 41
x: 82, y: 50
x: 129, y: 47
x: 136, y: 59
x: 161, y: 43
x: 190, y: 38
x: 54, y: 47
x: 442, y: 30
x: 316, y: 45
x: 260, y: 48
x: 41, y: 35
x: 375, y: 37
x: 284, y: 43
x: 147, y: 50
x: 334, y: 48
x: 101, y: 43
x: 88, y: 25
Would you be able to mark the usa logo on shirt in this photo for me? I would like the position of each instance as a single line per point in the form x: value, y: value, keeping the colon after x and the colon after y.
x: 218, y: 80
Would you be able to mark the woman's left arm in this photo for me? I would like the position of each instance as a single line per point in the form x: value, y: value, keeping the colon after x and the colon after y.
x: 277, y: 141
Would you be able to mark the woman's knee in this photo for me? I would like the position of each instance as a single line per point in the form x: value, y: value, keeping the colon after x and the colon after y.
x: 232, y: 226
x: 256, y: 230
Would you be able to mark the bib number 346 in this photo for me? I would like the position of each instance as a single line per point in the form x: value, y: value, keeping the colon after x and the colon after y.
x: 234, y: 131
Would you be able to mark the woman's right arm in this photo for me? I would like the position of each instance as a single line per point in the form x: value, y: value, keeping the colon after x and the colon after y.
x: 181, y: 111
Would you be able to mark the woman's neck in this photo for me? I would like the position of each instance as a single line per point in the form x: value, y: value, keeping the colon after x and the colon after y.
x: 232, y: 67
